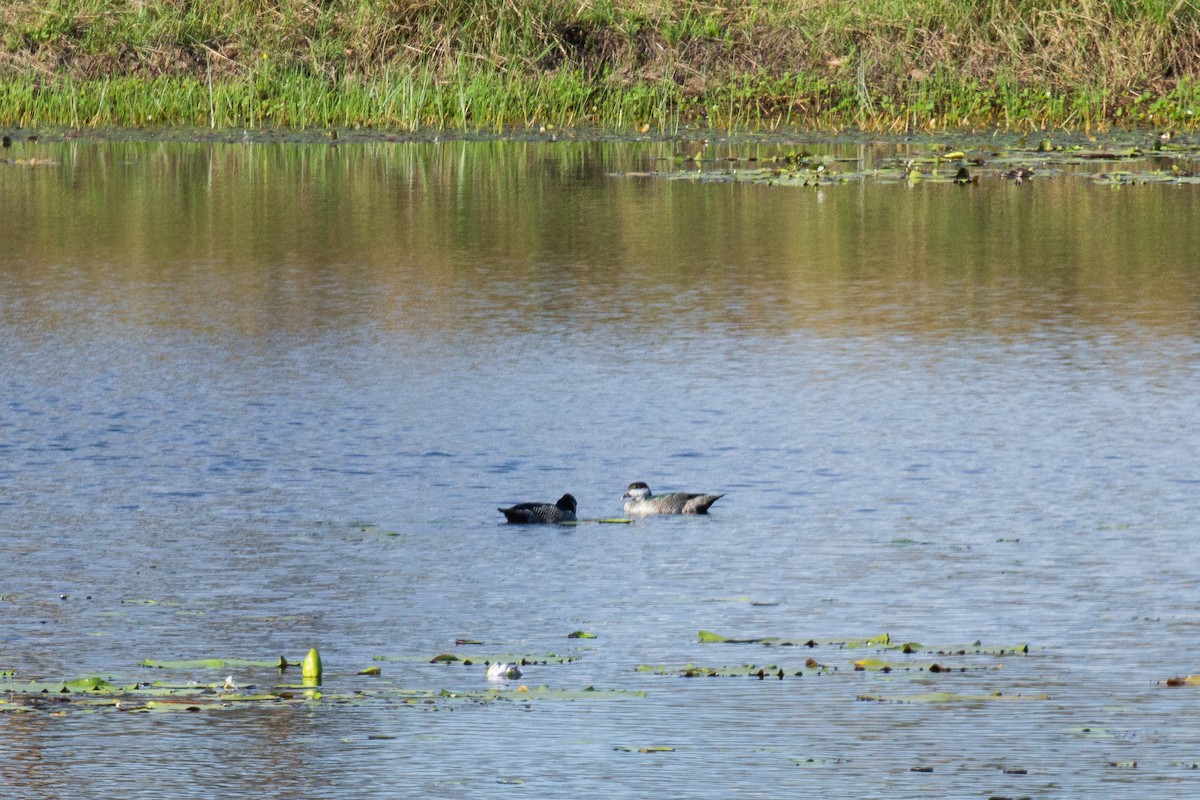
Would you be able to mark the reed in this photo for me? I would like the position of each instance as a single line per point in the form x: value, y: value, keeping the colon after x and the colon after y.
x: 892, y: 65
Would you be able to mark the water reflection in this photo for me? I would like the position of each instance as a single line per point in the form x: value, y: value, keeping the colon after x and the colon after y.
x: 260, y: 398
x: 300, y: 237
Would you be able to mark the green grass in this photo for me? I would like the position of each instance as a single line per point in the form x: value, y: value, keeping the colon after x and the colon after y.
x: 890, y: 65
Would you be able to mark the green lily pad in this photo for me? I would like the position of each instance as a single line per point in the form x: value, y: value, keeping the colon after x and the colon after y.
x: 737, y: 671
x: 708, y: 637
x: 879, y: 665
x: 99, y: 694
x: 212, y: 663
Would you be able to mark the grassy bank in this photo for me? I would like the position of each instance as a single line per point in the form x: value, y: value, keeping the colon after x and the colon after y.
x: 890, y: 65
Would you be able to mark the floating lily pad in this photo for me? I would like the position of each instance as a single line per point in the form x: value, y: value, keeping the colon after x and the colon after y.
x: 95, y: 694
x: 95, y: 685
x: 952, y: 697
x: 654, y: 748
x: 879, y: 665
x: 213, y: 663
x: 882, y: 641
x: 524, y: 660
x: 738, y: 671
x: 1164, y: 163
x: 708, y: 637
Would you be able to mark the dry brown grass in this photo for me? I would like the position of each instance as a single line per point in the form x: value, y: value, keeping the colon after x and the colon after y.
x: 871, y: 49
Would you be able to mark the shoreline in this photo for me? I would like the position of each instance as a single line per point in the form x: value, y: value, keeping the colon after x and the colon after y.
x: 1145, y: 139
x: 881, y: 66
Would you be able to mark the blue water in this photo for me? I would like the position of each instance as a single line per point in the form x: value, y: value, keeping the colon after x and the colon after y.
x: 261, y: 399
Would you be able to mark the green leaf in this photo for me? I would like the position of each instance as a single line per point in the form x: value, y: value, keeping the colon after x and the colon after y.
x: 88, y: 685
x: 208, y: 663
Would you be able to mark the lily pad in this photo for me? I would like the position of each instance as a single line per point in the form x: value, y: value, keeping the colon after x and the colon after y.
x: 653, y: 748
x: 879, y: 665
x: 738, y: 671
x: 96, y: 694
x: 212, y: 663
x: 953, y: 698
x: 708, y: 637
x: 1164, y: 163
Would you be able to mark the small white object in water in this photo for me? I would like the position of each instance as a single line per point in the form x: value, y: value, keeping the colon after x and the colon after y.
x: 501, y: 671
x: 229, y: 686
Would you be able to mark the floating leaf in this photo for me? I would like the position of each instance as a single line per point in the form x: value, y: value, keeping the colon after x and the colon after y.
x: 816, y: 762
x: 951, y: 697
x: 581, y: 635
x: 211, y: 663
x: 654, y: 748
x: 739, y: 671
x: 88, y: 685
x: 1187, y: 680
x: 373, y: 671
x: 877, y: 641
x: 708, y: 637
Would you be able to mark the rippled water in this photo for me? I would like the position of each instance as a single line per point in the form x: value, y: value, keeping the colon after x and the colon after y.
x: 260, y: 398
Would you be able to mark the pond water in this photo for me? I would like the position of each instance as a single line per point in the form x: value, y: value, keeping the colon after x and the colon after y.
x: 265, y: 397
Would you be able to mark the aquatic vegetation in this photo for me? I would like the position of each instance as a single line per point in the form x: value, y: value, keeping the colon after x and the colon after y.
x: 1144, y: 163
x: 280, y: 663
x: 1186, y: 680
x: 708, y: 637
x: 739, y: 671
x: 953, y: 698
x: 107, y: 693
x: 881, y: 642
x: 311, y: 667
x: 94, y: 694
x: 951, y: 659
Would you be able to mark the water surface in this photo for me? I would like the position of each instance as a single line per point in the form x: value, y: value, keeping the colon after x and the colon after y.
x: 265, y: 397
